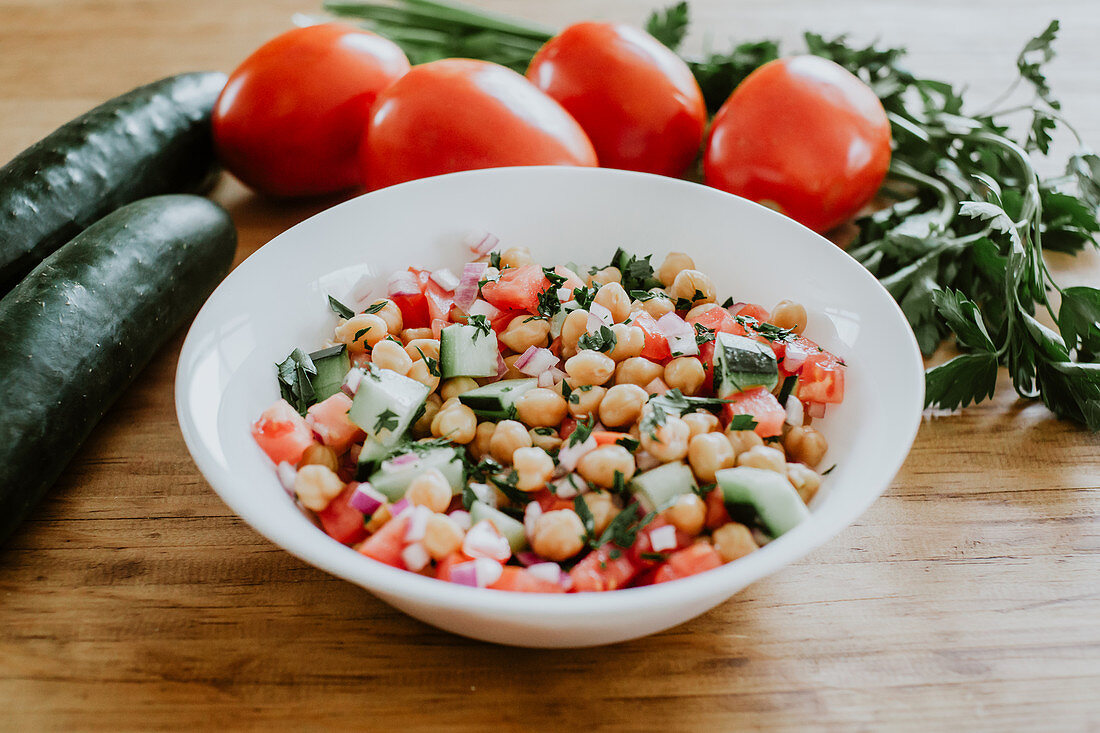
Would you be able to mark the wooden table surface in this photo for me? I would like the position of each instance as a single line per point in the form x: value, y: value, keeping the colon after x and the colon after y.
x: 967, y: 597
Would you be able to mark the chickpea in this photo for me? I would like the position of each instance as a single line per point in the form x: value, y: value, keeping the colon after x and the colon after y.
x: 508, y: 437
x: 421, y: 373
x: 686, y: 374
x: 669, y: 442
x: 423, y: 426
x: 805, y: 480
x: 573, y: 327
x: 316, y: 486
x: 629, y: 341
x: 319, y: 455
x: 675, y: 262
x: 361, y: 331
x: 483, y: 434
x: 637, y: 370
x: 603, y: 509
x: 586, y: 400
x: 700, y: 423
x: 590, y: 367
x: 687, y: 514
x: 525, y: 331
x: 388, y: 354
x: 389, y: 313
x: 743, y: 440
x: 545, y: 438
x: 614, y: 298
x: 429, y: 347
x: 733, y: 541
x: 605, y: 276
x: 805, y: 445
x: 540, y: 407
x: 412, y: 334
x: 764, y: 457
x: 442, y: 536
x: 690, y: 282
x: 512, y: 372
x: 658, y: 305
x: 534, y: 467
x: 708, y: 453
x: 455, y: 422
x: 455, y: 386
x: 788, y: 314
x: 558, y: 535
x: 699, y: 310
x: 515, y: 257
x: 622, y: 405
x: 430, y: 489
x: 600, y: 466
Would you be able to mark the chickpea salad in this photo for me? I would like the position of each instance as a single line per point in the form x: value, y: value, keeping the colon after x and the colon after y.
x: 525, y: 427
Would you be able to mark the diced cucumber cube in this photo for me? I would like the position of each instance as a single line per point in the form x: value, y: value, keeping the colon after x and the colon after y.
x: 742, y: 363
x: 659, y: 487
x: 770, y: 494
x: 497, y: 400
x: 512, y: 529
x: 392, y: 482
x: 467, y: 351
x: 385, y: 404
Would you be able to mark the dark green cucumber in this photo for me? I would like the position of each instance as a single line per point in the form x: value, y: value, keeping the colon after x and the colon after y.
x: 150, y: 141
x: 77, y: 330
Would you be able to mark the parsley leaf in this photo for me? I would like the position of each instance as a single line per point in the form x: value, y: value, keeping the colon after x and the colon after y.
x: 580, y: 506
x: 703, y: 334
x: 965, y: 379
x: 669, y: 26
x: 494, y: 259
x: 637, y: 273
x: 481, y: 323
x: 340, y: 309
x: 582, y: 431
x: 629, y: 443
x: 742, y: 422
x: 432, y: 364
x: 295, y: 386
x: 584, y: 297
x: 387, y: 420
x: 375, y: 308
x: 602, y: 340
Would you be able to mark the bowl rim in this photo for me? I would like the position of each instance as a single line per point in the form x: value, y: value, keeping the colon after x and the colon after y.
x: 345, y: 563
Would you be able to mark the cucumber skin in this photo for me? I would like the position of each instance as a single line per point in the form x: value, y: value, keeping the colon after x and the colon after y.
x: 153, y: 140
x: 82, y: 325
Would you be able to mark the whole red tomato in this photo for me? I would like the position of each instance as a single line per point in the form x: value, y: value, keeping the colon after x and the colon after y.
x: 804, y: 136
x: 636, y: 99
x: 460, y: 114
x: 290, y: 119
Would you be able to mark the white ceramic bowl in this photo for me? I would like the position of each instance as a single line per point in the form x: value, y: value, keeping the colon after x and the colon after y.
x: 276, y: 300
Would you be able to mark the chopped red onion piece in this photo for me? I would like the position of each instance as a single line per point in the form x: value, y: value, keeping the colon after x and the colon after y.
x: 502, y: 366
x: 536, y: 360
x: 362, y: 289
x: 483, y: 493
x: 483, y: 308
x: 401, y: 461
x: 466, y: 292
x: 483, y: 540
x: 438, y: 324
x: 680, y: 335
x: 415, y: 557
x: 568, y: 455
x: 286, y: 473
x: 645, y: 461
x: 445, y: 279
x: 461, y: 517
x: 795, y: 413
x: 488, y: 571
x: 550, y: 571
x: 531, y: 514
x: 365, y: 499
x: 794, y: 356
x: 598, y: 316
x: 657, y: 387
x: 565, y: 295
x: 815, y: 409
x: 528, y: 558
x: 481, y: 242
x: 566, y: 582
x: 566, y: 487
x: 736, y: 308
x: 399, y: 507
x: 351, y: 381
x: 465, y: 573
x: 546, y: 379
x: 663, y: 538
x: 418, y: 523
x: 403, y: 283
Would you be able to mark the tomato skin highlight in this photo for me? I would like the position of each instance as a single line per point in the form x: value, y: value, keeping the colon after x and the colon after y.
x: 521, y: 581
x: 821, y: 379
x: 386, y: 544
x: 291, y: 117
x: 461, y: 114
x: 517, y: 289
x: 693, y: 560
x: 340, y: 521
x: 282, y: 433
x: 764, y: 408
x: 803, y: 135
x: 636, y: 99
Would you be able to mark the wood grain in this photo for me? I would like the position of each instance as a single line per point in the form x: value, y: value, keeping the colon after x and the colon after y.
x: 967, y: 597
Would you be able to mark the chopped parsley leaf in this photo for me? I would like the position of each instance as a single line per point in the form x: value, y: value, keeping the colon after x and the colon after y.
x: 339, y: 308
x: 742, y: 422
x: 481, y: 323
x: 432, y: 364
x: 703, y: 334
x: 387, y: 420
x: 602, y: 340
x: 494, y: 259
x: 582, y: 431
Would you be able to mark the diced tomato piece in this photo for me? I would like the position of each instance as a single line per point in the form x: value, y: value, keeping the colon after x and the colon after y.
x: 717, y: 514
x: 414, y: 306
x: 718, y: 319
x: 443, y: 568
x: 341, y: 521
x: 282, y: 433
x: 656, y: 345
x: 500, y: 321
x: 598, y: 571
x: 696, y: 559
x: 706, y: 355
x: 518, y: 579
x: 608, y: 437
x: 549, y: 501
x: 386, y: 544
x: 821, y: 378
x: 643, y: 544
x: 329, y: 419
x: 568, y: 425
x: 751, y: 310
x: 764, y: 408
x: 572, y: 279
x: 438, y: 324
x: 439, y: 300
x: 517, y: 289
